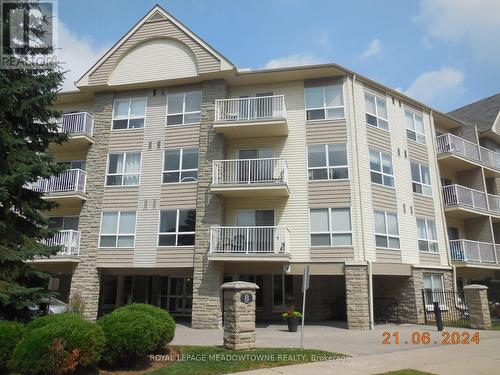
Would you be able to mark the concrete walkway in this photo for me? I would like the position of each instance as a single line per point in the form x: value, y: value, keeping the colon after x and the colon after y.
x: 370, y: 355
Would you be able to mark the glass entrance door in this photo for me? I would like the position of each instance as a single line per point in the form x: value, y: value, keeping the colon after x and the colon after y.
x: 176, y: 295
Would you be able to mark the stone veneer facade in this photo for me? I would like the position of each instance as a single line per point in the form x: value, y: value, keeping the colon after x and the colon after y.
x: 357, y: 302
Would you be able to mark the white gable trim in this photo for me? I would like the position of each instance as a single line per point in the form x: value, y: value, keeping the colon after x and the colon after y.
x: 225, y: 64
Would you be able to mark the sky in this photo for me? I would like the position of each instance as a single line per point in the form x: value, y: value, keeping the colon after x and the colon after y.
x: 445, y: 53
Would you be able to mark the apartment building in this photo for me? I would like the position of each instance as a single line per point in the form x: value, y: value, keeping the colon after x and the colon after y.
x: 187, y: 172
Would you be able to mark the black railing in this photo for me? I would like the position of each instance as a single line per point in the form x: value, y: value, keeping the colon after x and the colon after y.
x: 454, y: 309
x: 386, y: 310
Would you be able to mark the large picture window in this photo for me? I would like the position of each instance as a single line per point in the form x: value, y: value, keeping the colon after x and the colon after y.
x: 330, y: 227
x: 415, y: 126
x: 376, y: 111
x: 327, y: 162
x: 381, y: 171
x: 129, y: 113
x: 180, y: 165
x: 427, y: 236
x: 117, y: 229
x: 325, y: 102
x: 386, y: 230
x: 421, y: 179
x: 123, y: 169
x: 184, y: 108
x: 177, y: 227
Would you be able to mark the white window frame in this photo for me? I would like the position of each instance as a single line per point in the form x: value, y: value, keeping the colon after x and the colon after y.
x: 414, y: 125
x: 324, y: 107
x: 116, y: 234
x: 381, y: 171
x: 331, y: 230
x: 124, y: 160
x: 328, y: 167
x: 442, y: 304
x: 376, y: 99
x: 387, y: 235
x: 177, y: 210
x: 129, y: 117
x: 421, y: 179
x: 180, y: 170
x: 427, y: 240
x: 183, y: 113
x: 283, y: 294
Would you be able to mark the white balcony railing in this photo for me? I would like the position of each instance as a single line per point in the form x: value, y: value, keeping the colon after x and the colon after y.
x: 72, y: 180
x: 246, y: 109
x: 464, y: 196
x: 250, y: 171
x: 76, y: 123
x: 473, y: 251
x: 249, y: 240
x: 452, y: 143
x: 69, y: 240
x: 490, y: 157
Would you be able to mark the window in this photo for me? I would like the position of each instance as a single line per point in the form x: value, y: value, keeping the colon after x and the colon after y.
x: 434, y: 289
x: 129, y: 113
x: 184, y: 108
x: 64, y: 222
x: 117, y: 229
x: 282, y: 290
x: 376, y: 111
x: 180, y: 165
x: 177, y: 227
x: 324, y: 102
x: 386, y: 230
x: 427, y: 236
x: 415, y: 126
x: 327, y: 162
x: 330, y: 227
x: 421, y: 179
x: 74, y: 164
x: 123, y: 169
x: 381, y: 168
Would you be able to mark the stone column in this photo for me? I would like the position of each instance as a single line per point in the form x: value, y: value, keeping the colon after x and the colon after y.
x: 357, y: 302
x: 207, y: 276
x: 477, y: 301
x: 239, y: 315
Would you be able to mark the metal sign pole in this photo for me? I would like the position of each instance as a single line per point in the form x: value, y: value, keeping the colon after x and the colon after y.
x: 305, y: 286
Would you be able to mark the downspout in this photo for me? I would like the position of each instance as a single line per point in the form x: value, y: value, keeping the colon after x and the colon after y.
x: 361, y: 232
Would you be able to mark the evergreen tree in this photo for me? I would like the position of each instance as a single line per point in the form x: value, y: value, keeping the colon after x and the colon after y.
x: 27, y: 127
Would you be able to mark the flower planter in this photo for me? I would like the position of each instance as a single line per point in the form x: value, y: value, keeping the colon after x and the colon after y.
x: 293, y: 323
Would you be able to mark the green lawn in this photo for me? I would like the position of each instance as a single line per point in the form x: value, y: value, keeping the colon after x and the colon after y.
x: 203, y: 360
x: 495, y: 325
x: 406, y: 372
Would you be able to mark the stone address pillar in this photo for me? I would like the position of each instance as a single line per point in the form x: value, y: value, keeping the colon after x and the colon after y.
x: 239, y: 315
x: 477, y: 301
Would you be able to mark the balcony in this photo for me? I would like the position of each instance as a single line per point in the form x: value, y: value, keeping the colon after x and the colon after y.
x: 474, y: 252
x: 466, y: 202
x: 458, y: 154
x: 251, y: 243
x: 79, y: 126
x: 68, y: 185
x: 69, y: 240
x: 250, y: 177
x: 263, y: 116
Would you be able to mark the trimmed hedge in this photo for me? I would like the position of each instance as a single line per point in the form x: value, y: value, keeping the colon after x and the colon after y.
x: 10, y: 334
x: 58, y: 344
x: 130, y: 335
x: 167, y: 323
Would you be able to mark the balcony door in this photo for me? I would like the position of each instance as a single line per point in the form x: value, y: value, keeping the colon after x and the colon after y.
x: 254, y: 170
x: 258, y: 234
x: 65, y: 222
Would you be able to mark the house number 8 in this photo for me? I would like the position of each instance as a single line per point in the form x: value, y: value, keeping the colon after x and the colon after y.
x: 246, y: 297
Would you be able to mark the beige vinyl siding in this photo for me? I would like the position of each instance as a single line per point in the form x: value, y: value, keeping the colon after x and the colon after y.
x: 331, y: 254
x: 478, y: 229
x: 115, y: 258
x: 78, y: 154
x: 472, y: 178
x: 326, y: 132
x: 127, y: 140
x: 274, y: 143
x: 178, y: 195
x: 384, y: 198
x: 424, y: 206
x: 418, y: 152
x: 388, y: 256
x: 180, y: 136
x: 429, y: 258
x: 175, y: 256
x: 118, y: 198
x: 378, y: 139
x: 65, y: 210
x: 329, y: 194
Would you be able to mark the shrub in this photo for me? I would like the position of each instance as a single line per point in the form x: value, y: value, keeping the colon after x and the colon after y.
x: 165, y: 320
x: 129, y: 336
x: 10, y: 334
x: 58, y: 344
